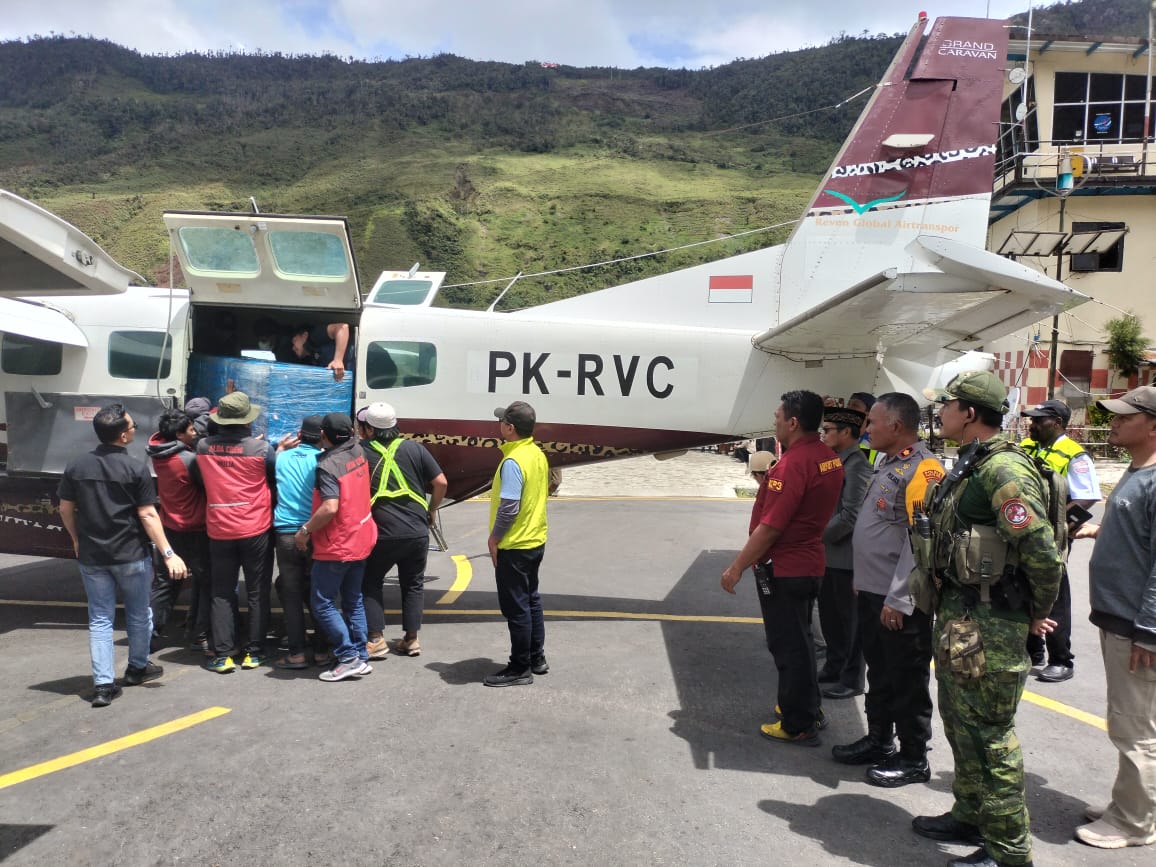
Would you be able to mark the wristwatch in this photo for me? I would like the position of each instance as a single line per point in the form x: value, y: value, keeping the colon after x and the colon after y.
x: 167, y: 553
x: 304, y: 529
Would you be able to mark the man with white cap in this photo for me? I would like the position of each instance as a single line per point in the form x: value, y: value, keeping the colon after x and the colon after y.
x: 1122, y: 581
x: 1048, y: 441
x: 402, y: 472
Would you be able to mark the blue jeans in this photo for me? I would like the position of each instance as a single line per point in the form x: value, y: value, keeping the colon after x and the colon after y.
x: 100, y: 585
x: 345, y: 629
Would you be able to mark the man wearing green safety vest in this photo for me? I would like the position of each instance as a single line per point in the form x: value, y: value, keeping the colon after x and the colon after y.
x: 1049, y: 442
x: 402, y: 473
x: 518, y: 541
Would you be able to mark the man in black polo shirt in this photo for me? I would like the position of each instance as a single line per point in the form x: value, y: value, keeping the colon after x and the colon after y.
x: 108, y: 505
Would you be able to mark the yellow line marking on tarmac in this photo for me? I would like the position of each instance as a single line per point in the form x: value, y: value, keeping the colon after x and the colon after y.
x: 1067, y: 710
x: 461, y: 582
x: 108, y: 748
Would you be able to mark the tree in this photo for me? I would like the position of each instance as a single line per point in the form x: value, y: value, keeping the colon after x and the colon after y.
x: 1126, y: 343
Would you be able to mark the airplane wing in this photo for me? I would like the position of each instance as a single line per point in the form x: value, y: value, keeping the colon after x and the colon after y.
x: 966, y: 297
x: 40, y: 322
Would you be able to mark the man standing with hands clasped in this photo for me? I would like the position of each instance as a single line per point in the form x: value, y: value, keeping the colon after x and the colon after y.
x: 1122, y: 579
x: 518, y: 541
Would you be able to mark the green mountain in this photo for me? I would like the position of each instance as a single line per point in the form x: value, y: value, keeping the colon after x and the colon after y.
x: 481, y: 169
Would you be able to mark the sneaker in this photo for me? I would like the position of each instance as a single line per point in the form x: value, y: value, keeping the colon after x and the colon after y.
x: 509, y: 676
x: 365, y: 669
x: 104, y: 693
x: 407, y: 648
x: 377, y: 648
x: 253, y: 660
x: 539, y: 665
x: 221, y: 664
x: 775, y: 732
x: 137, y: 676
x: 820, y: 723
x: 1104, y: 835
x: 343, y: 670
x: 1093, y: 814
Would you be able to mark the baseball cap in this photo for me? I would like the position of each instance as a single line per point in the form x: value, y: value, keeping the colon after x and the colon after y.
x: 337, y: 425
x: 1142, y: 399
x: 762, y: 461
x: 520, y: 414
x: 311, y: 428
x: 1050, y: 409
x: 979, y: 387
x: 381, y: 416
x: 235, y: 408
x: 197, y: 406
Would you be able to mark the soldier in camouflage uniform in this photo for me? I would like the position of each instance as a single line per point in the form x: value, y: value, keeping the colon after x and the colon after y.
x: 981, y: 664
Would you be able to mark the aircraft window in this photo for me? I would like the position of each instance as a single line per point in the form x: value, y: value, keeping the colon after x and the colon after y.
x: 400, y: 364
x: 211, y: 248
x: 401, y: 292
x: 27, y: 356
x: 137, y: 354
x: 309, y: 254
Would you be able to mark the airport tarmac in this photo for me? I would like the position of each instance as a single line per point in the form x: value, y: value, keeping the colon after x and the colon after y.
x: 640, y: 746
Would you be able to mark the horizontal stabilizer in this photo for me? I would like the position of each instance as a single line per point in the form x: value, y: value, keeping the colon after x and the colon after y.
x: 966, y: 297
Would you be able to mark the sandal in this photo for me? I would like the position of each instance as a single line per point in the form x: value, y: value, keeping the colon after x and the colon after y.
x: 287, y: 662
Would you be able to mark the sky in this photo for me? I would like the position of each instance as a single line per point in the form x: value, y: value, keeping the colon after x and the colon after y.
x: 620, y: 33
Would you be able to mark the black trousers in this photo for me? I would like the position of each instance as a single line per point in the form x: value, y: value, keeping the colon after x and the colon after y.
x: 1058, y: 642
x: 787, y: 621
x: 193, y: 548
x: 837, y: 618
x: 229, y: 556
x: 517, y: 579
x: 409, y: 555
x: 292, y: 586
x: 898, y: 676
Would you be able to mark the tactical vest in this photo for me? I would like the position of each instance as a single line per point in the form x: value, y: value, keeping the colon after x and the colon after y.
x: 392, y: 484
x: 1058, y: 455
x: 978, y: 556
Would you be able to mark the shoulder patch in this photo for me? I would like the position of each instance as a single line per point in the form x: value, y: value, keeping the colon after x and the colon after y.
x: 907, y: 452
x: 775, y: 484
x: 1079, y: 466
x: 1016, y: 513
x: 830, y: 465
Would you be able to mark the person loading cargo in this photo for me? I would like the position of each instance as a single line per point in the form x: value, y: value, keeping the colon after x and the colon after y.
x: 324, y: 346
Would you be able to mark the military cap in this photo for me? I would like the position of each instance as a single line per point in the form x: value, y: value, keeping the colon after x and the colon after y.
x: 978, y: 387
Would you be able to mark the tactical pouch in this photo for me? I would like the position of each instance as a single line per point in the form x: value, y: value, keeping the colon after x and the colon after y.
x: 964, y: 649
x: 978, y: 557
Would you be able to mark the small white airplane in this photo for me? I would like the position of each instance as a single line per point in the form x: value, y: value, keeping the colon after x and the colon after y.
x: 885, y: 284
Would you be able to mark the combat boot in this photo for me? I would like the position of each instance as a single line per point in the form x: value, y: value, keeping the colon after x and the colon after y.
x: 980, y: 858
x: 947, y: 828
x: 898, y: 771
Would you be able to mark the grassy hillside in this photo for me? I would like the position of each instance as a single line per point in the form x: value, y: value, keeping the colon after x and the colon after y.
x: 479, y: 169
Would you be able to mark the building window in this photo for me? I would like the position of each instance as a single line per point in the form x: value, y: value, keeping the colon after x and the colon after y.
x: 1016, y: 137
x: 1076, y: 375
x: 1098, y: 107
x: 140, y: 354
x: 1111, y: 259
x: 27, y: 356
x: 400, y: 364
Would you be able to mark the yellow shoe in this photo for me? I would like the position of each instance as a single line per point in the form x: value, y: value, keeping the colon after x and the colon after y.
x: 775, y: 732
x: 221, y: 664
x: 253, y: 660
x: 377, y: 648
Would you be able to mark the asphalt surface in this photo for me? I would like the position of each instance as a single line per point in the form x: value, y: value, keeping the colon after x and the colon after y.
x: 640, y: 746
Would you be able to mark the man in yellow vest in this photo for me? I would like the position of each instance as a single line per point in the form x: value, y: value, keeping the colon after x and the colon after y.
x: 518, y: 541
x: 1048, y: 442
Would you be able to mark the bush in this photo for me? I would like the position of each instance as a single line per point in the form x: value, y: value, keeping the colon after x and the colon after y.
x: 1126, y: 343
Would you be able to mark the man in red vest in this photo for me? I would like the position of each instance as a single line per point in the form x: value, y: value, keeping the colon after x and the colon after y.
x: 343, y: 533
x: 238, y: 473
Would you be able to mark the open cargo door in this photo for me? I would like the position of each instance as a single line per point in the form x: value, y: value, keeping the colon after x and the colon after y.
x: 41, y: 254
x: 266, y: 260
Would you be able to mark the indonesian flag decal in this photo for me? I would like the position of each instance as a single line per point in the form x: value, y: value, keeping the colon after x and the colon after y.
x: 738, y: 289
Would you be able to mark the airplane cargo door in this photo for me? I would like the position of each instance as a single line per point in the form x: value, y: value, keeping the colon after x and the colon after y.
x: 266, y: 260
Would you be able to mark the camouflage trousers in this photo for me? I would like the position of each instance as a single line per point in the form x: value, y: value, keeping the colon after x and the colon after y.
x: 979, y: 722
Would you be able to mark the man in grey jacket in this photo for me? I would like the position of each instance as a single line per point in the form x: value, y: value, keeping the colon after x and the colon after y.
x: 1122, y: 581
x: 895, y: 635
x: 842, y: 673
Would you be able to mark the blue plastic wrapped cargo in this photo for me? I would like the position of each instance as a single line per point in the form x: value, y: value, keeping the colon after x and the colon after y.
x: 286, y: 393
